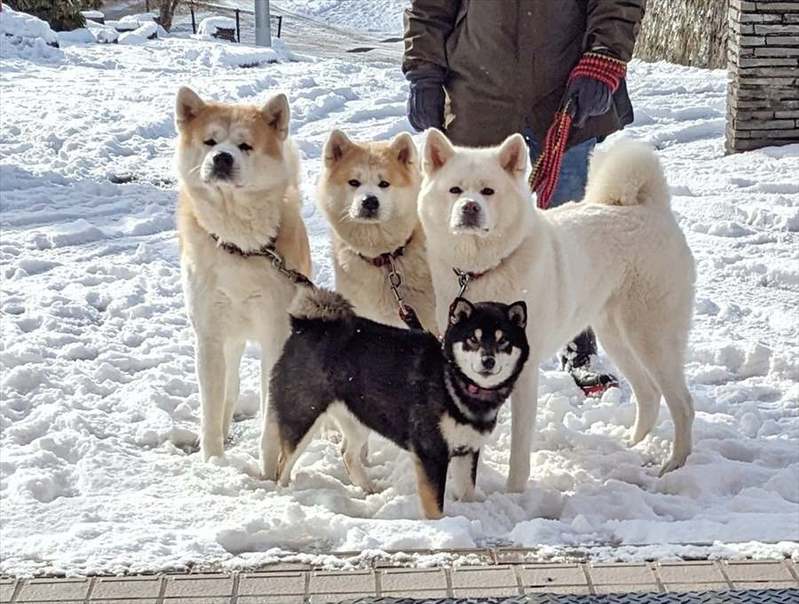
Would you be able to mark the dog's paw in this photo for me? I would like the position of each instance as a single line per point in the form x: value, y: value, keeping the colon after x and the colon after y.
x: 212, y: 449
x: 516, y: 484
x: 672, y: 464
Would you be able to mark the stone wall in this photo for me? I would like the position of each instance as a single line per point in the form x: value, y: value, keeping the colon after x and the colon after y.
x: 688, y: 32
x: 763, y: 94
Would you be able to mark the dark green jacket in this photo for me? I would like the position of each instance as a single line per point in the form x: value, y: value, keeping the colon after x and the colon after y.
x: 505, y: 62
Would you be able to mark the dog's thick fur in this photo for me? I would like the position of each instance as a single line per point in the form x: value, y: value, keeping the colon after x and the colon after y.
x: 617, y: 262
x: 437, y: 400
x: 392, y: 223
x: 231, y: 298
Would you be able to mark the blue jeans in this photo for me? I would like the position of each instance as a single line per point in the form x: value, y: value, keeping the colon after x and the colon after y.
x: 573, y: 170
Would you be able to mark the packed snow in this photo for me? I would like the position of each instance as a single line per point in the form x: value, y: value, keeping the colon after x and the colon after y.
x: 100, y: 411
x: 383, y: 16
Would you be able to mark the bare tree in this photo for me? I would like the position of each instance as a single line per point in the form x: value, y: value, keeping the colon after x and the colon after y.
x: 167, y: 10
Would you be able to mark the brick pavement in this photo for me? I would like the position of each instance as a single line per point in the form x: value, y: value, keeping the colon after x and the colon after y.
x: 504, y: 574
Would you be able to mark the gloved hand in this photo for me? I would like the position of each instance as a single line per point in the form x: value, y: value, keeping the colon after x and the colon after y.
x: 426, y: 102
x: 589, y: 98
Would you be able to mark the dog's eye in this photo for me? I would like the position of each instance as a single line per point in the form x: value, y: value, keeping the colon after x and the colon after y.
x: 245, y: 147
x: 487, y: 191
x: 384, y: 184
x: 456, y: 190
x: 210, y: 142
x: 354, y: 183
x: 472, y: 342
x: 503, y: 344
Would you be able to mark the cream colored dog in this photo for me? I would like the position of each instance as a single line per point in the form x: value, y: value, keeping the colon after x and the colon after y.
x: 617, y: 261
x: 239, y: 196
x: 368, y: 192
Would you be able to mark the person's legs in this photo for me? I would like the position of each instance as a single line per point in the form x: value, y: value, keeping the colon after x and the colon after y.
x: 576, y: 358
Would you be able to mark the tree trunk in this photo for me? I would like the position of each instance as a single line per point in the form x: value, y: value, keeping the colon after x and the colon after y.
x: 167, y: 10
x: 688, y: 32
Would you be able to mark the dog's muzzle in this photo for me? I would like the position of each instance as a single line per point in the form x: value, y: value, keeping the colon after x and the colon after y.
x: 222, y: 166
x: 470, y: 216
x: 369, y: 208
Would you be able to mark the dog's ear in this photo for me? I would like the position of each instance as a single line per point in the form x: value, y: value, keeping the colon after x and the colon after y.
x: 403, y: 148
x: 460, y: 310
x: 513, y: 155
x: 517, y: 313
x: 188, y: 105
x: 437, y: 151
x: 276, y: 112
x: 336, y: 147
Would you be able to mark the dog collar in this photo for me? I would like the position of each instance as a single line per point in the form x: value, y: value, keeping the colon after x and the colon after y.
x: 386, y: 258
x: 232, y: 248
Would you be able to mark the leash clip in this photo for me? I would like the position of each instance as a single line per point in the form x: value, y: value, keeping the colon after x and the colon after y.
x: 464, y: 279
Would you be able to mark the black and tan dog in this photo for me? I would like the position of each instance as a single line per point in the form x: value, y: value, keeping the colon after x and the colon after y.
x: 437, y: 400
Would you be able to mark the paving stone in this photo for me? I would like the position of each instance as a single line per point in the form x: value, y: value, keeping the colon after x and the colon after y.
x: 412, y: 579
x: 126, y: 587
x: 477, y: 592
x: 553, y: 574
x: 683, y: 587
x: 483, y: 576
x: 7, y: 589
x: 361, y: 581
x: 199, y: 600
x: 750, y: 570
x: 621, y: 574
x: 627, y: 588
x: 188, y: 586
x: 272, y: 583
x: 271, y: 600
x: 124, y: 601
x: 338, y: 597
x: 690, y: 572
x: 54, y: 589
x: 580, y: 590
x: 769, y: 585
x: 418, y: 594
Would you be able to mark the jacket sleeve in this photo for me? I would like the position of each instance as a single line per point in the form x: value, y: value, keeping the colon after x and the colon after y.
x: 612, y: 26
x: 428, y: 24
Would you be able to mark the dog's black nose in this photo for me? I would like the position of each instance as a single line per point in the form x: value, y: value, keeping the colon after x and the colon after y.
x: 370, y: 203
x: 489, y: 362
x: 223, y: 163
x: 471, y: 208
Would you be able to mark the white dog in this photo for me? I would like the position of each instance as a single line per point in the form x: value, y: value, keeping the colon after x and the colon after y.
x: 239, y: 205
x: 617, y: 262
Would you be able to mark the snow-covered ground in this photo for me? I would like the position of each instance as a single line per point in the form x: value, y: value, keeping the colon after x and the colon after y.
x: 99, y: 405
x: 384, y: 16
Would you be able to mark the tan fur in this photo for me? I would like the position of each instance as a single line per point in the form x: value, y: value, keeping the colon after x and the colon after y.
x: 427, y: 493
x: 231, y: 299
x: 359, y: 281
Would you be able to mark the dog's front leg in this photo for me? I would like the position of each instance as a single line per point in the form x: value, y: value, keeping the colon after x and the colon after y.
x: 464, y: 476
x: 210, y: 360
x: 524, y: 405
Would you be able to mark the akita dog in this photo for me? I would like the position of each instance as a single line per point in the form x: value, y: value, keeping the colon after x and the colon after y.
x: 368, y: 192
x: 437, y: 400
x: 616, y: 261
x: 238, y: 214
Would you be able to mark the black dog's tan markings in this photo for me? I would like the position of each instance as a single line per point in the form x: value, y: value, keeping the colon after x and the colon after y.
x: 400, y: 383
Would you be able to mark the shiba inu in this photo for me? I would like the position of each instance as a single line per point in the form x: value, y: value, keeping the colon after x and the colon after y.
x: 437, y: 400
x: 616, y: 261
x: 368, y: 192
x: 238, y: 210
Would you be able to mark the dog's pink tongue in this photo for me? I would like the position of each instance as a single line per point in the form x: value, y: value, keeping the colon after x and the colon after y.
x: 473, y: 389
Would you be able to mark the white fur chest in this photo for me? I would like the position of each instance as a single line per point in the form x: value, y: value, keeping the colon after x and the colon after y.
x: 461, y: 436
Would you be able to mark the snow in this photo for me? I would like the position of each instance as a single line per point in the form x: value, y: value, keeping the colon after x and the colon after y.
x: 21, y: 26
x: 210, y: 25
x: 100, y: 411
x: 384, y: 16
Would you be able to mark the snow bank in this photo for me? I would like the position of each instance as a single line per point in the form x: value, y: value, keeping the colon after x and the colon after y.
x: 22, y: 27
x: 140, y: 35
x: 99, y: 408
x: 210, y: 25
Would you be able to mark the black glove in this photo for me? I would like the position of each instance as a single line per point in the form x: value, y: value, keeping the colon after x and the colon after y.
x: 589, y: 98
x: 426, y: 102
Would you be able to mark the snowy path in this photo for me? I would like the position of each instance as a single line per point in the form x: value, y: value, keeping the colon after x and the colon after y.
x: 99, y: 400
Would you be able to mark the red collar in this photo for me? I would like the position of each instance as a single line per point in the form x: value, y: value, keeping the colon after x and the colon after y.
x: 386, y: 258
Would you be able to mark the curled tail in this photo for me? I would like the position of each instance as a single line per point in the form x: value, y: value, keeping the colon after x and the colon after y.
x: 627, y: 174
x: 321, y: 304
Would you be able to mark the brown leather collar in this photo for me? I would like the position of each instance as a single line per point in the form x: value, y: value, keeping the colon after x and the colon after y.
x: 386, y: 258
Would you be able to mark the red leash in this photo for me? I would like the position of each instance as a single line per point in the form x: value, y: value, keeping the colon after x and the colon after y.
x: 546, y: 172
